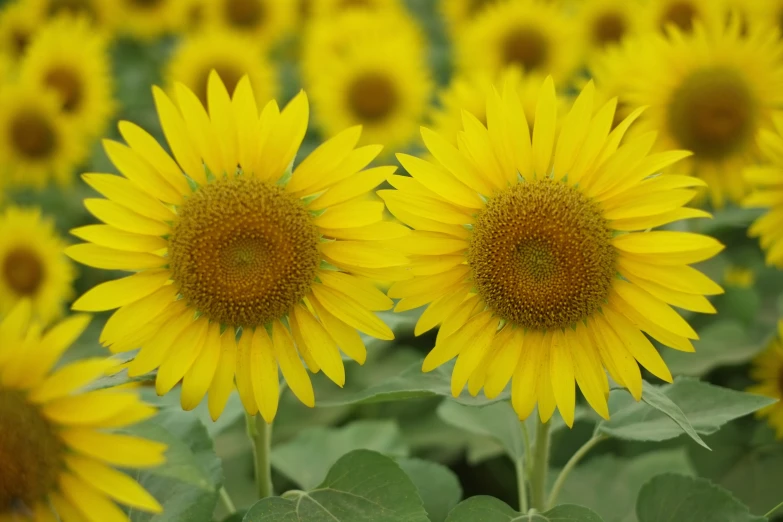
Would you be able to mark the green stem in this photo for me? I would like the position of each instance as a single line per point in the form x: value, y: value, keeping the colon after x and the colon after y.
x: 570, y: 465
x: 771, y: 511
x: 521, y: 490
x: 227, y: 502
x: 540, y: 467
x: 260, y: 434
x: 528, y: 446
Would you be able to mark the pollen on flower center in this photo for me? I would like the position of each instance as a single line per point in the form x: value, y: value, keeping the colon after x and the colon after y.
x: 229, y: 75
x: 245, y: 13
x: 526, y: 47
x: 680, y: 14
x: 23, y: 271
x: 541, y: 255
x: 67, y: 85
x: 243, y: 251
x: 372, y: 97
x: 30, y: 455
x: 609, y: 28
x: 712, y: 113
x: 32, y: 135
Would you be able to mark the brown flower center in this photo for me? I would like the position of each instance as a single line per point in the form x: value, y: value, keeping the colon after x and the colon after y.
x: 712, y: 113
x: 541, y: 255
x: 30, y: 455
x: 68, y: 85
x: 32, y: 135
x: 609, y: 28
x: 19, y: 39
x: 682, y: 14
x: 245, y: 14
x: 227, y: 73
x: 23, y: 271
x: 372, y: 97
x: 243, y: 251
x: 526, y: 47
x: 476, y: 6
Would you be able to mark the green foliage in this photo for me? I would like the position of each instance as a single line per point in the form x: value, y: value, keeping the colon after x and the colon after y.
x: 437, y: 486
x: 187, y: 484
x: 748, y: 461
x: 620, y: 479
x: 307, y: 458
x: 675, y: 497
x: 489, y: 509
x: 686, y: 406
x: 362, y: 486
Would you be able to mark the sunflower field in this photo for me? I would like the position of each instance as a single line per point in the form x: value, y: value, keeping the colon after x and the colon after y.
x: 391, y: 260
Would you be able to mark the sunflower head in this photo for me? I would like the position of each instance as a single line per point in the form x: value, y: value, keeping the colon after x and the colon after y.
x: 35, y: 144
x: 530, y: 34
x: 534, y: 255
x: 243, y: 263
x: 377, y: 76
x: 57, y: 449
x: 266, y: 21
x: 70, y: 60
x: 32, y: 264
x: 713, y: 100
x: 19, y: 21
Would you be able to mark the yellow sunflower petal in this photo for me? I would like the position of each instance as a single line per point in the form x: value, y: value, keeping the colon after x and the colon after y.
x: 346, y: 337
x: 112, y: 483
x: 263, y: 369
x: 351, y: 312
x: 244, y: 376
x: 291, y: 366
x: 320, y: 345
x: 120, y: 292
x: 108, y: 236
x: 92, y: 504
x: 140, y: 173
x: 198, y: 378
x: 116, y: 449
x: 561, y: 372
x: 223, y: 381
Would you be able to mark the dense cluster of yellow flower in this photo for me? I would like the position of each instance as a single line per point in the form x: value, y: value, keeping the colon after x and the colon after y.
x: 521, y: 225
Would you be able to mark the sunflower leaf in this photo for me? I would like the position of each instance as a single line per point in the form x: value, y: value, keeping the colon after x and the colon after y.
x: 687, y: 406
x: 363, y: 485
x: 675, y: 497
x: 187, y: 484
x: 490, y: 509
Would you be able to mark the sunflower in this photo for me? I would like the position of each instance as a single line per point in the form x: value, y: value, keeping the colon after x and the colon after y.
x: 241, y: 266
x: 382, y: 83
x: 203, y: 52
x: 57, y: 448
x: 657, y: 15
x: 469, y: 93
x: 330, y: 8
x: 459, y: 13
x: 32, y: 264
x: 534, y: 258
x: 36, y: 143
x: 18, y: 22
x: 768, y: 13
x: 767, y: 371
x: 149, y: 19
x: 534, y: 35
x: 267, y: 21
x: 103, y: 15
x: 767, y: 182
x: 605, y: 23
x: 68, y: 58
x: 709, y: 91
